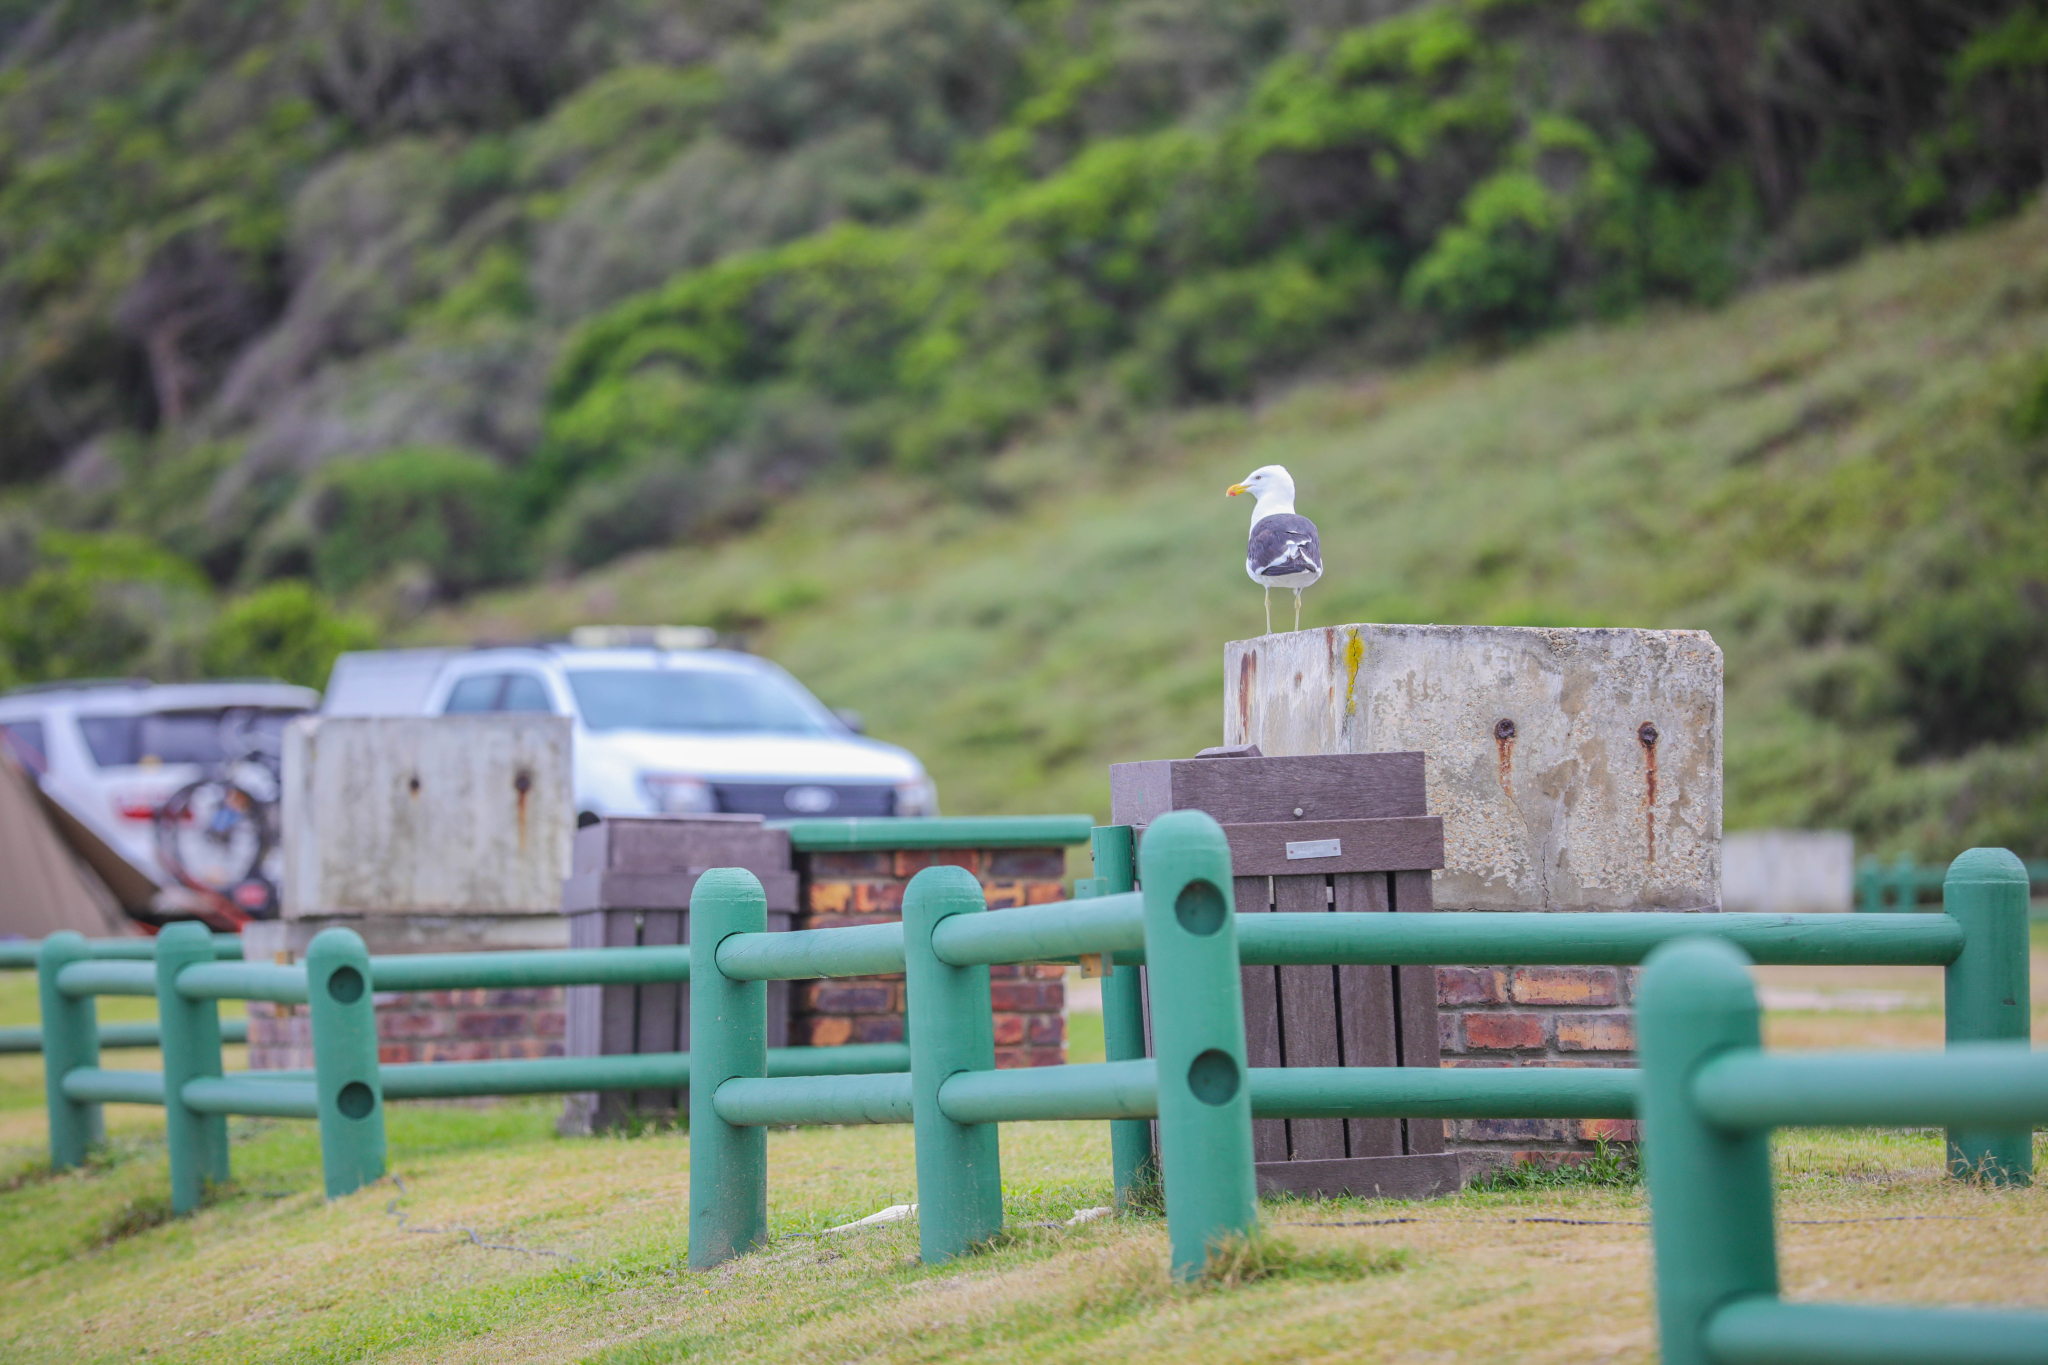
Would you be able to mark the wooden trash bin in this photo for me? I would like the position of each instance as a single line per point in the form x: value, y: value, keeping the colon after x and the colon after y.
x: 629, y: 885
x: 1336, y: 833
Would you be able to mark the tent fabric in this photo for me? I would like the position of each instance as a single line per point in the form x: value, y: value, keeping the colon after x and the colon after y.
x: 43, y: 886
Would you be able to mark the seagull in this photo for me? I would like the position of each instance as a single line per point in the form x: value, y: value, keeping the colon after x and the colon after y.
x: 1283, y: 551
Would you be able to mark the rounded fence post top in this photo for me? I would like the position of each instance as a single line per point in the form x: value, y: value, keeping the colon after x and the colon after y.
x: 336, y: 942
x: 1710, y: 970
x: 1986, y: 865
x: 186, y: 931
x: 945, y: 877
x: 64, y: 940
x: 727, y: 881
x: 1181, y: 831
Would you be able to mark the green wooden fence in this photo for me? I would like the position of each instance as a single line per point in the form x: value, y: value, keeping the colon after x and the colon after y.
x: 1182, y: 926
x: 1710, y: 1097
x: 1903, y: 884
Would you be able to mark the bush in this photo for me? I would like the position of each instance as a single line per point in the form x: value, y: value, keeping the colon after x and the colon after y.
x: 63, y: 624
x: 455, y: 513
x: 285, y: 630
x: 1973, y: 665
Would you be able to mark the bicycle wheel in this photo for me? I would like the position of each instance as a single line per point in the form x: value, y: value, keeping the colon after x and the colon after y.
x: 211, y: 835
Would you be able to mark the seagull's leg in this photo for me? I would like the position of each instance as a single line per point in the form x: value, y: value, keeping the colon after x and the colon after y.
x: 1269, y: 609
x: 1297, y: 609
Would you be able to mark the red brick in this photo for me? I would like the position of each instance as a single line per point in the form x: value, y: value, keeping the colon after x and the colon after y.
x: 550, y: 1024
x: 1050, y: 971
x: 1010, y: 1030
x: 490, y: 1025
x: 1020, y: 995
x: 387, y: 1053
x: 1048, y: 1056
x: 1607, y: 1130
x: 1028, y: 863
x: 819, y: 866
x: 878, y: 1028
x: 523, y: 997
x: 913, y: 861
x: 1047, y: 1030
x: 1012, y: 1058
x: 455, y: 1052
x: 1503, y: 1032
x: 844, y: 921
x: 411, y: 1025
x: 829, y: 998
x: 1566, y: 986
x: 1470, y: 986
x: 1007, y: 971
x: 878, y: 898
x: 1596, y: 1033
x: 1045, y: 893
x: 1478, y: 1062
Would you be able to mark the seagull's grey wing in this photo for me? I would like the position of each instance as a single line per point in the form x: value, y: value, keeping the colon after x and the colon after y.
x: 1284, y: 544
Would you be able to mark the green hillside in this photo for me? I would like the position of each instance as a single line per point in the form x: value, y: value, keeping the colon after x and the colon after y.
x: 1844, y: 479
x: 323, y: 321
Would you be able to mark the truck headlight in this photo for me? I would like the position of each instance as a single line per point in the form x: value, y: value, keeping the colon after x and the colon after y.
x: 679, y: 793
x: 920, y: 797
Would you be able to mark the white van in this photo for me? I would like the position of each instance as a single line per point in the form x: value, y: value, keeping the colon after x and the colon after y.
x: 656, y: 730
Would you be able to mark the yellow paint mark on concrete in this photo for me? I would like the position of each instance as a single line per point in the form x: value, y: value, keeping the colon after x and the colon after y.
x: 1354, y: 655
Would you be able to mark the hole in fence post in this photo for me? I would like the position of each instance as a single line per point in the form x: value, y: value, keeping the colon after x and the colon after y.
x: 355, y: 1100
x: 346, y: 985
x: 1199, y: 908
x: 1212, y: 1077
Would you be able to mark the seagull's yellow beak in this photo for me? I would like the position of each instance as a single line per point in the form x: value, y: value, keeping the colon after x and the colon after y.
x: 1233, y: 490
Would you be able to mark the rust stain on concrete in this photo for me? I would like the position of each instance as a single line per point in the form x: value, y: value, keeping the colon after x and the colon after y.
x: 1504, y: 744
x: 1647, y: 734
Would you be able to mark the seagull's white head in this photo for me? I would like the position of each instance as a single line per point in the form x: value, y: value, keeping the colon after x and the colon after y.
x: 1268, y: 483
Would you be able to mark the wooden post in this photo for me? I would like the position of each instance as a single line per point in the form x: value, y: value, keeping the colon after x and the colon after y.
x: 71, y: 1040
x: 952, y: 1029
x: 728, y: 1164
x: 190, y: 1033
x: 347, y: 1089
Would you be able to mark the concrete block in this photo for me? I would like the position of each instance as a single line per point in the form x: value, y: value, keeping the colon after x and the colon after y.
x: 447, y: 815
x: 1573, y: 769
x: 1788, y: 871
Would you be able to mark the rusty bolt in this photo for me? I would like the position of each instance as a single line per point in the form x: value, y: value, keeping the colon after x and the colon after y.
x: 1648, y: 735
x: 412, y: 784
x: 523, y: 783
x: 1503, y: 729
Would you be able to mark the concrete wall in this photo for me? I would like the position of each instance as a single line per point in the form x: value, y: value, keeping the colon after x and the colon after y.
x: 1789, y: 871
x: 440, y: 816
x: 1573, y: 769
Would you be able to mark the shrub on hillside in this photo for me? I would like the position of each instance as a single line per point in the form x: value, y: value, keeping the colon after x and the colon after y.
x: 1973, y: 664
x: 285, y: 630
x: 453, y: 512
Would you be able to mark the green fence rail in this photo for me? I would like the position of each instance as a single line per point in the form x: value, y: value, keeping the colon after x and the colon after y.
x: 1197, y: 1087
x: 347, y: 1088
x: 20, y: 954
x: 1904, y: 883
x: 1710, y: 1095
x: 115, y: 1036
x: 852, y: 835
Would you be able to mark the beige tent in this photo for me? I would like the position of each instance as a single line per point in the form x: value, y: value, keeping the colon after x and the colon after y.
x: 43, y: 885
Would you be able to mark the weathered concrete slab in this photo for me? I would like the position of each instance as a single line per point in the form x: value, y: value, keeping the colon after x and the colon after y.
x: 1789, y: 871
x: 448, y: 815
x: 1573, y: 769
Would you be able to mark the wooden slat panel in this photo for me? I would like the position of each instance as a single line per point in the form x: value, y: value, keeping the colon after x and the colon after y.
x: 1262, y: 849
x: 1240, y: 790
x: 1261, y: 1019
x: 676, y: 845
x: 1365, y: 1018
x: 617, y: 1013
x: 1416, y: 987
x: 1308, y: 1020
x: 660, y: 890
x: 655, y: 1029
x: 1385, y: 1177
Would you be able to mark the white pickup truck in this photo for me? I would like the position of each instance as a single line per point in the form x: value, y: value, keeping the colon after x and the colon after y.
x: 656, y: 730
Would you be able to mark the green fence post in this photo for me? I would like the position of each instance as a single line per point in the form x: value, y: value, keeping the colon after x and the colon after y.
x: 728, y: 1041
x: 1205, y: 1108
x: 952, y: 1029
x: 1123, y: 1018
x: 71, y: 1039
x: 1710, y: 1190
x: 1987, y: 996
x: 190, y: 1037
x: 349, y: 1095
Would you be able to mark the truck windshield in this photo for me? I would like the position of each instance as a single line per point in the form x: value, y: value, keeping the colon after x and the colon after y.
x: 695, y: 700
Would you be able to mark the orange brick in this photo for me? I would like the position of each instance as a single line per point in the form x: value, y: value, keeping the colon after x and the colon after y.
x: 1043, y: 893
x: 1608, y: 1130
x: 1565, y: 986
x: 1503, y: 1032
x: 831, y: 898
x: 1596, y: 1033
x: 830, y: 1032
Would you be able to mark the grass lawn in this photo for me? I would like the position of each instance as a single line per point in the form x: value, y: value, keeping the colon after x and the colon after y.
x: 94, y: 1270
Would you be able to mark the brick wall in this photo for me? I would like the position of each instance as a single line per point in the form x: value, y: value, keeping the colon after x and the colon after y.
x: 840, y: 889
x: 1536, y: 1016
x: 424, y: 1026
